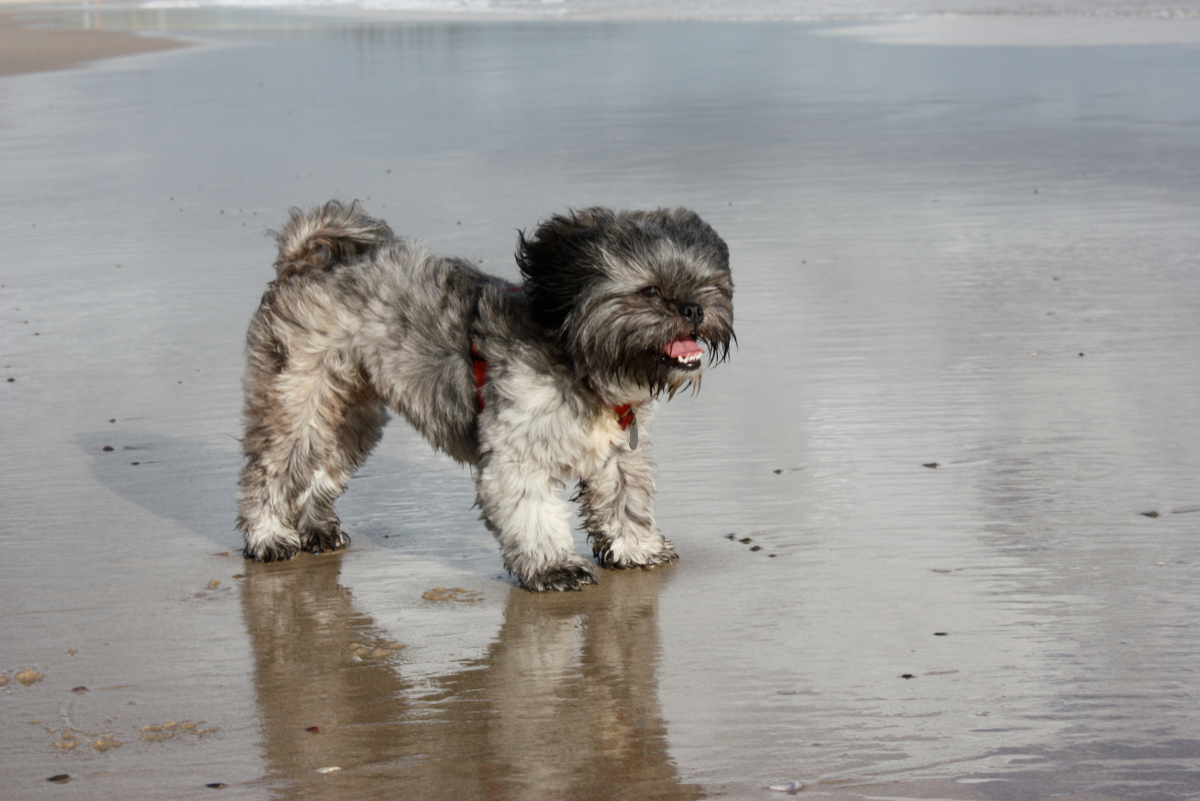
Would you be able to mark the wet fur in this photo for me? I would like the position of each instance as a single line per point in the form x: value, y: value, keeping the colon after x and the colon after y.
x: 359, y: 322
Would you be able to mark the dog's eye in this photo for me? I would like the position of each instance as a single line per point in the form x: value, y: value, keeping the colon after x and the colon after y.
x: 652, y: 292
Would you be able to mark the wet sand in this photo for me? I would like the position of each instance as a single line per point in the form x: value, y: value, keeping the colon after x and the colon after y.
x: 966, y: 312
x: 26, y: 48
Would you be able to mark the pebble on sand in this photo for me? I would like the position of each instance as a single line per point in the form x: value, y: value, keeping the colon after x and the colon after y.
x: 787, y: 787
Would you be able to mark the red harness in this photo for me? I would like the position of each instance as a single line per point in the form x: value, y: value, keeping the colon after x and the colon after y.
x: 624, y: 411
x: 480, y: 372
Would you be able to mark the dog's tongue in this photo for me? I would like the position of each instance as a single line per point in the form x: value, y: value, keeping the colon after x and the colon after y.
x: 683, y: 348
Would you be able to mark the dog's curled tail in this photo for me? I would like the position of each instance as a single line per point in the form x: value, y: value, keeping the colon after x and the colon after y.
x: 334, y: 232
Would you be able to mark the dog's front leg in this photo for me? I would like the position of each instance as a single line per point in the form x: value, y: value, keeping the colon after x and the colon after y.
x: 521, y: 507
x: 617, y: 502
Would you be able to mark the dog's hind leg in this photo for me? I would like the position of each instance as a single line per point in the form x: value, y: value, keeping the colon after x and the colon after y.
x: 617, y: 503
x: 264, y: 515
x: 308, y: 427
x: 357, y: 416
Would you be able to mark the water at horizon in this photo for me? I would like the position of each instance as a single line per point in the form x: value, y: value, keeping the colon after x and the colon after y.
x: 722, y: 9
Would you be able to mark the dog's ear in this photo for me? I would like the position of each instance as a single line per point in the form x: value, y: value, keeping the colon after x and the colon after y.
x: 559, y: 261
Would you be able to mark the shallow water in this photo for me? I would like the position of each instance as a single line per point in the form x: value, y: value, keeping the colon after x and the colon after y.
x: 980, y: 258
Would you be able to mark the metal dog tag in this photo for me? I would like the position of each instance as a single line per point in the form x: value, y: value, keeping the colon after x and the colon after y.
x: 633, y: 435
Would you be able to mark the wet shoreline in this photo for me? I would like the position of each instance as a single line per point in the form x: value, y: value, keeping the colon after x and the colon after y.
x: 981, y: 259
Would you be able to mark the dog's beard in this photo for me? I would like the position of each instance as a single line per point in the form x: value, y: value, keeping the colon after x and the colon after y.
x: 623, y: 352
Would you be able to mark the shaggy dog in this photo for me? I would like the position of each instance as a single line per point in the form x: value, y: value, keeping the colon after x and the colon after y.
x: 531, y: 385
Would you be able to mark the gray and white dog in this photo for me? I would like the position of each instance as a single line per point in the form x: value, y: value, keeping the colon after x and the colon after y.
x: 531, y: 385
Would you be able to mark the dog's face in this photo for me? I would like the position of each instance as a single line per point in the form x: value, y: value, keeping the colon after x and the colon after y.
x: 633, y: 296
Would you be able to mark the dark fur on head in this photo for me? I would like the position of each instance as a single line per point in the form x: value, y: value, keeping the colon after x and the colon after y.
x: 617, y: 287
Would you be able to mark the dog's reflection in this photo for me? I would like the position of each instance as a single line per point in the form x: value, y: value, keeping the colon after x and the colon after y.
x: 563, y: 706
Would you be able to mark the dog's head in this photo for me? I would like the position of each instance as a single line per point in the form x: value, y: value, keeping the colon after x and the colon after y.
x: 631, y: 295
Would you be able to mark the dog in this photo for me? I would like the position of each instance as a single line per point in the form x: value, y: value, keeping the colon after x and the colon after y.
x: 531, y: 385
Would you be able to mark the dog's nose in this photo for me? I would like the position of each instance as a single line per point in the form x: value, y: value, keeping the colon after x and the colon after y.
x: 692, y: 312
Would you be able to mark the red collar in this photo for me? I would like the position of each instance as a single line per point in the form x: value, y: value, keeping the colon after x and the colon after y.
x: 624, y: 411
x: 624, y: 414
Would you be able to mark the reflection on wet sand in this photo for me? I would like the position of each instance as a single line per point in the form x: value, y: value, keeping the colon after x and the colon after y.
x: 563, y: 706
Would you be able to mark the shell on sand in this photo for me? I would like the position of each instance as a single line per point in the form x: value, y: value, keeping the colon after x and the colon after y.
x: 28, y: 676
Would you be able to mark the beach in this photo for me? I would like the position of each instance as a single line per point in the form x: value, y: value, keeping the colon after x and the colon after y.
x: 25, y: 49
x: 937, y: 515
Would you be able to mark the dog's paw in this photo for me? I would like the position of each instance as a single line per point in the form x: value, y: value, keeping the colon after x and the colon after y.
x: 271, y: 552
x: 267, y: 539
x: 620, y: 554
x: 324, y: 540
x: 569, y: 577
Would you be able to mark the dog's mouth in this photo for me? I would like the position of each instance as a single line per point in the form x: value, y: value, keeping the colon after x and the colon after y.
x: 683, y: 354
